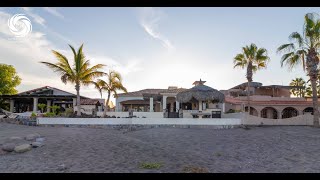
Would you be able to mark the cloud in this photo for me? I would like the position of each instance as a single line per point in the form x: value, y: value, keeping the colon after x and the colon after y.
x: 38, y: 19
x: 130, y: 66
x: 149, y: 20
x: 26, y: 53
x: 53, y: 11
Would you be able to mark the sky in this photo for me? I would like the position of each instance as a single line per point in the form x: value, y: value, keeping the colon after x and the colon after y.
x: 151, y: 47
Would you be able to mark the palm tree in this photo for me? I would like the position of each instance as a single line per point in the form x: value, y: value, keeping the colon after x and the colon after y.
x: 300, y: 84
x: 112, y: 84
x: 304, y: 49
x: 79, y: 74
x: 252, y: 58
x: 308, y: 91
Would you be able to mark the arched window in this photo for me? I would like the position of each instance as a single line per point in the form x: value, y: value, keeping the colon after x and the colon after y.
x: 269, y: 112
x: 308, y: 110
x: 289, y: 112
x: 253, y: 111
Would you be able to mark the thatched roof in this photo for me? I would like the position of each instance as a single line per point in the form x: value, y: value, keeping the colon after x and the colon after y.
x: 201, y: 93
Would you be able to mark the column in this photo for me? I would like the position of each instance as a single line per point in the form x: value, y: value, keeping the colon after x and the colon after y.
x: 48, y: 105
x: 74, y: 102
x: 177, y: 106
x: 151, y: 104
x: 223, y: 107
x: 11, y: 105
x: 200, y: 105
x: 164, y: 103
x: 35, y: 104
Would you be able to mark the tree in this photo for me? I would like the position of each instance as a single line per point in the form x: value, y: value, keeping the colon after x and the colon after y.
x: 308, y: 91
x: 252, y: 58
x: 303, y: 49
x: 79, y: 74
x: 301, y: 87
x: 112, y: 84
x: 9, y: 80
x: 54, y: 109
x: 42, y: 106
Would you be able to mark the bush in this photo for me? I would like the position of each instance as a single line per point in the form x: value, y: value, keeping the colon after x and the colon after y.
x: 232, y: 111
x: 194, y: 169
x: 49, y: 114
x: 150, y: 165
x: 69, y: 112
x: 33, y: 115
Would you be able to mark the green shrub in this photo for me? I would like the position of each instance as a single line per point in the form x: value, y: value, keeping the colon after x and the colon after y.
x: 41, y: 106
x: 54, y: 109
x: 33, y: 115
x: 150, y: 165
x: 49, y: 114
x: 232, y: 111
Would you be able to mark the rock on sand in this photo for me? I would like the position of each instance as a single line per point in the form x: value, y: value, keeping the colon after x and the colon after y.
x: 22, y: 148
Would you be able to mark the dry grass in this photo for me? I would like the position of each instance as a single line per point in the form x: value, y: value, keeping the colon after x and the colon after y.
x: 194, y: 169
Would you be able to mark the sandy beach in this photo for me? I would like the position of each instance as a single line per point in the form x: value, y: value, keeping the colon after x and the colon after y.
x: 259, y: 149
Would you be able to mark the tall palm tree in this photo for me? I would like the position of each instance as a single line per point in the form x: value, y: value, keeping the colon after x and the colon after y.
x: 112, y: 84
x: 79, y: 73
x: 252, y: 58
x: 300, y: 84
x: 304, y: 48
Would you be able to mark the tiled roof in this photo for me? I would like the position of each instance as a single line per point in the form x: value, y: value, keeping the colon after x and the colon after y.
x: 89, y: 101
x: 143, y: 91
x: 174, y: 90
x: 271, y: 102
x: 151, y: 91
x: 46, y: 88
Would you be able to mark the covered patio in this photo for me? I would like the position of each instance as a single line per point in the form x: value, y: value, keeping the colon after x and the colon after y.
x: 29, y: 102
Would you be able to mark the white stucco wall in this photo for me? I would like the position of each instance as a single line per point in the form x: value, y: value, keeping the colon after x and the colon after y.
x: 138, y: 114
x: 246, y: 120
x: 142, y: 121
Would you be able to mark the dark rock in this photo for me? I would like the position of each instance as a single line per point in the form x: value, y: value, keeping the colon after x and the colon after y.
x: 9, y: 147
x: 36, y: 144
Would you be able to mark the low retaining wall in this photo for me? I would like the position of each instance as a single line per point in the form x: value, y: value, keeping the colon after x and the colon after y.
x: 306, y: 119
x: 244, y: 119
x: 140, y: 121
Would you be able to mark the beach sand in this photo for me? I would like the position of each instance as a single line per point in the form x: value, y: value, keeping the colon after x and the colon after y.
x: 259, y: 149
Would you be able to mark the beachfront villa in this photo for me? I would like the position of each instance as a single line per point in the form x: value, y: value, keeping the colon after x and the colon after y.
x: 28, y: 101
x: 174, y: 102
x: 199, y: 101
x: 272, y: 101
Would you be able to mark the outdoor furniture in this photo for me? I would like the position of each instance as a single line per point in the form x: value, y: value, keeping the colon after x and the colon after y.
x: 201, y: 114
x: 216, y: 114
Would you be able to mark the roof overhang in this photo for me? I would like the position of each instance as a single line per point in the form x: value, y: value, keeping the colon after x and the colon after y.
x: 49, y: 96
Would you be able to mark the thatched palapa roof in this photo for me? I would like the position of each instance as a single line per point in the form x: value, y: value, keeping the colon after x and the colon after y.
x: 200, y: 92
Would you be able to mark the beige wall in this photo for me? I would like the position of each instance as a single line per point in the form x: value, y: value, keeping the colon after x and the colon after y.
x: 278, y: 108
x: 279, y: 92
